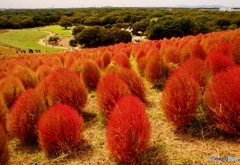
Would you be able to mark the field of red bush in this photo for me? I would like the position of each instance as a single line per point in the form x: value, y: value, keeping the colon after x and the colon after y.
x: 198, y: 75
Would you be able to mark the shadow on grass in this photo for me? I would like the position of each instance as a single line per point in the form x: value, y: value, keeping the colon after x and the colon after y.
x: 203, y: 128
x: 155, y: 155
x: 89, y: 117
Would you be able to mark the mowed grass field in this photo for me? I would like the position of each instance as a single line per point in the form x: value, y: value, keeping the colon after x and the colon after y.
x: 57, y: 29
x: 26, y: 39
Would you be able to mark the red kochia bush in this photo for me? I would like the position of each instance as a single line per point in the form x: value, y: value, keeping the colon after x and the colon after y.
x: 110, y: 88
x: 24, y: 114
x: 128, y: 130
x: 156, y: 71
x: 180, y: 99
x: 11, y: 88
x: 121, y: 59
x: 106, y: 58
x: 217, y: 62
x: 90, y: 74
x: 43, y: 71
x: 131, y: 78
x: 60, y: 130
x: 222, y: 97
x: 198, y: 51
x: 3, y: 111
x: 196, y: 68
x: 27, y: 76
x: 66, y: 87
x: 235, y: 56
x: 4, y: 154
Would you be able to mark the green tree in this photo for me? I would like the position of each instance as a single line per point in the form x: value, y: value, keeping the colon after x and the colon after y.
x: 187, y: 26
x: 77, y: 29
x: 222, y: 22
x: 88, y: 37
x: 73, y: 42
x: 92, y: 21
x: 166, y: 28
x: 140, y: 26
x: 65, y: 22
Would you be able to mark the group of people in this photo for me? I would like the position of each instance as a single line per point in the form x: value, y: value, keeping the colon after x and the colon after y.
x: 28, y: 51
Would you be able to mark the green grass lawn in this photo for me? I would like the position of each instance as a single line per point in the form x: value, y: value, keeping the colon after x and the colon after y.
x: 26, y: 39
x: 57, y: 29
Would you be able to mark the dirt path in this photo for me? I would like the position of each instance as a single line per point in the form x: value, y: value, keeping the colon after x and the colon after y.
x: 41, y: 42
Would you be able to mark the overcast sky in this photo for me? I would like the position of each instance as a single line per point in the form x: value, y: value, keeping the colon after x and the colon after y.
x: 116, y: 3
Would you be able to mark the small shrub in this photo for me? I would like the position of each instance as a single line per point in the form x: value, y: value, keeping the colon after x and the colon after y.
x: 128, y: 130
x: 217, y: 62
x: 90, y: 74
x: 3, y: 111
x: 180, y: 99
x: 172, y: 55
x: 141, y: 64
x: 224, y: 48
x: 55, y: 63
x: 106, y: 58
x: 110, y: 88
x: 66, y: 87
x: 196, y: 68
x: 131, y: 78
x: 41, y: 88
x: 27, y: 76
x: 60, y: 129
x: 235, y: 56
x: 23, y: 117
x: 156, y: 71
x: 222, y: 97
x: 99, y: 62
x: 4, y: 154
x: 122, y: 60
x: 198, y: 51
x: 11, y: 88
x: 43, y: 71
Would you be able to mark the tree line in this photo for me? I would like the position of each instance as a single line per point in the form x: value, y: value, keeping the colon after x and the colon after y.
x: 155, y: 23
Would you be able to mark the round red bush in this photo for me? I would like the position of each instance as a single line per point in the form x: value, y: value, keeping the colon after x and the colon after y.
x: 60, y: 130
x: 198, y: 51
x: 4, y: 154
x: 121, y: 59
x: 66, y: 87
x: 196, y: 68
x: 11, y: 88
x: 27, y: 76
x: 24, y: 114
x: 131, y: 78
x: 180, y: 99
x: 90, y: 74
x: 106, y: 58
x: 156, y: 71
x: 128, y: 130
x: 217, y: 62
x: 43, y: 71
x: 110, y: 88
x: 222, y: 97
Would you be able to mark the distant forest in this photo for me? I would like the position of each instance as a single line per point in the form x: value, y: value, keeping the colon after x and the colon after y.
x: 155, y: 23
